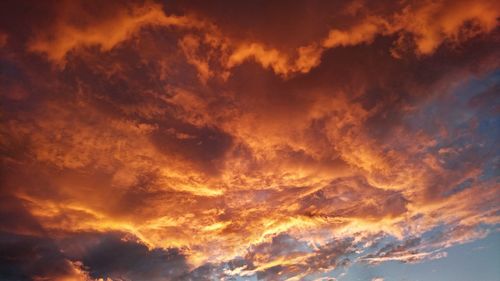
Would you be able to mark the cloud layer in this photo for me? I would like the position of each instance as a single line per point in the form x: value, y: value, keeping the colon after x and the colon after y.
x: 148, y: 140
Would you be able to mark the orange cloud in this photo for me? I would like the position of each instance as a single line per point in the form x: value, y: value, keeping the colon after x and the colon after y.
x: 3, y: 39
x: 429, y: 25
x: 105, y: 33
x: 433, y: 23
x: 158, y: 139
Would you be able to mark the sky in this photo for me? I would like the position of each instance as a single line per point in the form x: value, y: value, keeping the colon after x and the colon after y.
x: 250, y: 140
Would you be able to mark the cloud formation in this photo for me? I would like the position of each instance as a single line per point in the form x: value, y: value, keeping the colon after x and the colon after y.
x: 147, y: 140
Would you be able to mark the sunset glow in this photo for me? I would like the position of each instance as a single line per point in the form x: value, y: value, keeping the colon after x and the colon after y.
x: 249, y: 140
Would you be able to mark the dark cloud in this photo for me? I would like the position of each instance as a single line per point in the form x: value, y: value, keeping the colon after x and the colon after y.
x: 344, y: 197
x: 117, y: 256
x: 204, y: 146
x: 27, y: 257
x: 406, y: 248
x: 16, y: 218
x: 97, y: 255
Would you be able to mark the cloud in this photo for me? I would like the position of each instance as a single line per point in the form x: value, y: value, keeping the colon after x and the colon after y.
x: 432, y: 24
x: 407, y: 258
x: 179, y: 143
x: 3, y: 39
x: 86, y: 256
x: 26, y: 257
x: 458, y: 22
x: 110, y: 255
x: 96, y: 28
